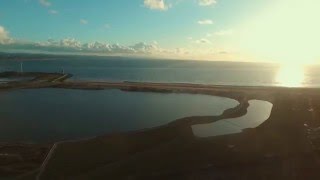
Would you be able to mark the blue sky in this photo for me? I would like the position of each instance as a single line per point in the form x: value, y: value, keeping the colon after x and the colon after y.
x: 196, y: 29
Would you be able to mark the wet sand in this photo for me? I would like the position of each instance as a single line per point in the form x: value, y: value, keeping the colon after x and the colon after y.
x: 280, y: 148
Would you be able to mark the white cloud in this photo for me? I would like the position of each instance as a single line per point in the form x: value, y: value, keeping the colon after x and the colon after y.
x: 224, y: 32
x: 203, y: 41
x: 84, y: 21
x: 70, y: 42
x: 156, y: 4
x: 45, y: 3
x: 143, y: 47
x: 53, y: 11
x: 205, y: 22
x: 97, y: 45
x: 3, y: 33
x: 207, y: 2
x: 4, y: 36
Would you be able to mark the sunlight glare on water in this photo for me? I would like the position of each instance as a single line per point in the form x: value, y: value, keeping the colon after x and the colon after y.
x: 291, y: 76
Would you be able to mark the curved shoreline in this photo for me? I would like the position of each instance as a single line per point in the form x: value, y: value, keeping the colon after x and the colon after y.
x: 281, y: 137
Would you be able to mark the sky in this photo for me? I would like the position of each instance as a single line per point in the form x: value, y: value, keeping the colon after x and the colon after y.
x: 284, y: 31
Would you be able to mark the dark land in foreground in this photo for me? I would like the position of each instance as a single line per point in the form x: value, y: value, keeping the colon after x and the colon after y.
x: 286, y: 146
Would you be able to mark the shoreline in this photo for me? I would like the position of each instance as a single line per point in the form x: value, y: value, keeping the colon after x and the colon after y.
x: 282, y: 136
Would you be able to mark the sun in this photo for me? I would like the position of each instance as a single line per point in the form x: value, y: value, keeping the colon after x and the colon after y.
x: 285, y: 31
x: 291, y: 75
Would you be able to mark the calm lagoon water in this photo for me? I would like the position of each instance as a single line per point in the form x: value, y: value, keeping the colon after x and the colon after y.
x: 44, y: 115
x: 258, y: 112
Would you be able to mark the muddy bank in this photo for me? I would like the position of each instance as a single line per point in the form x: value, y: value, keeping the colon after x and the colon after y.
x: 16, y: 159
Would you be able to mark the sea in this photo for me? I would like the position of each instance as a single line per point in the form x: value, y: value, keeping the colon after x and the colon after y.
x: 171, y: 71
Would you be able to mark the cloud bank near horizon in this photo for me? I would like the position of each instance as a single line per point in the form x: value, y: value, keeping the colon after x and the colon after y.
x: 74, y: 46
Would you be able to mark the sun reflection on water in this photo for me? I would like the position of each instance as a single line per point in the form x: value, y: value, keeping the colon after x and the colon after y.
x: 291, y: 75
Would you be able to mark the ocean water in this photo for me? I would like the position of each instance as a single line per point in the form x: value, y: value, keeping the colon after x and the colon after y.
x: 150, y: 70
x: 46, y: 115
